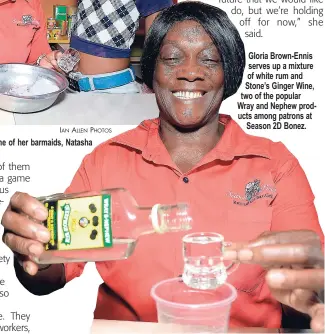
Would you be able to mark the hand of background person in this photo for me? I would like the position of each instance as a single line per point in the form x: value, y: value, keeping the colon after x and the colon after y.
x: 23, y: 232
x: 295, y: 264
x: 51, y: 61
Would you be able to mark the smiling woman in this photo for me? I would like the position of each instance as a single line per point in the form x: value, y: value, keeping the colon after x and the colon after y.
x: 222, y: 41
x: 193, y: 59
x: 189, y: 76
x: 237, y: 185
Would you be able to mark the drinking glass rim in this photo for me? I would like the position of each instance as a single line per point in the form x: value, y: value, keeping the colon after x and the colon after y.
x: 215, y: 234
x: 226, y: 301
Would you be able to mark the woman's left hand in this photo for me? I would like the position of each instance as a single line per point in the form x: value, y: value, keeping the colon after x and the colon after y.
x: 51, y: 60
x: 295, y: 264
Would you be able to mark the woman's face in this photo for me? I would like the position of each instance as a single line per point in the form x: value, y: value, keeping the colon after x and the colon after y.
x: 188, y: 79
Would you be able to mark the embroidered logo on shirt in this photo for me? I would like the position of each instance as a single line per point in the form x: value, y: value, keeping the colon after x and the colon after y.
x: 27, y: 20
x: 254, y: 190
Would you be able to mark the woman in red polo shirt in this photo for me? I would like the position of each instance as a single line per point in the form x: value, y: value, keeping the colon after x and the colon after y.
x: 244, y: 187
x: 23, y: 34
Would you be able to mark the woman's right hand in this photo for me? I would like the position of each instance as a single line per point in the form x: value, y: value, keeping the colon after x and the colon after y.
x: 23, y: 232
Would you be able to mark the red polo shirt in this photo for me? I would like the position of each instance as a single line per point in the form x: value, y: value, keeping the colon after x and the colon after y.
x: 22, y: 32
x: 217, y: 189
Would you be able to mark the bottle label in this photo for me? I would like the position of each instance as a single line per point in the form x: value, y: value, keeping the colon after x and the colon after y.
x: 80, y: 223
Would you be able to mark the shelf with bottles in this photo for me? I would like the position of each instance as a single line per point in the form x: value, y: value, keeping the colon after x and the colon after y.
x: 60, y: 23
x: 59, y: 41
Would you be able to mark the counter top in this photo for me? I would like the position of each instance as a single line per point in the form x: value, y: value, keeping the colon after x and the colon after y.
x: 116, y: 327
x: 89, y: 109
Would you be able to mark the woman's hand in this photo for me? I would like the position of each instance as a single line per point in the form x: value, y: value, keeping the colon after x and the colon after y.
x: 51, y: 61
x: 295, y: 264
x: 24, y: 234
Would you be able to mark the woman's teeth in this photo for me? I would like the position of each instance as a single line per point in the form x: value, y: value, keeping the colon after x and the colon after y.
x: 188, y: 95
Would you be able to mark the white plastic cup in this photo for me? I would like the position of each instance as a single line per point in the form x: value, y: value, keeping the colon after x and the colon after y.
x: 201, y: 311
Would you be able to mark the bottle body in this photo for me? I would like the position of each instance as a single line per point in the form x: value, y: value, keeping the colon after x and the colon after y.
x: 103, y: 226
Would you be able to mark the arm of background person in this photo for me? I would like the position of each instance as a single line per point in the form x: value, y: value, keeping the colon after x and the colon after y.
x: 148, y: 21
x: 40, y: 43
x: 150, y: 9
x: 294, y: 209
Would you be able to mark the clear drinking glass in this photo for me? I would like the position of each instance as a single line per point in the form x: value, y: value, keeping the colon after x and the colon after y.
x: 204, y: 267
x: 197, y: 311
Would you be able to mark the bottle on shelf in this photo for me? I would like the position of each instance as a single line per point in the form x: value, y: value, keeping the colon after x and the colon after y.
x: 105, y: 225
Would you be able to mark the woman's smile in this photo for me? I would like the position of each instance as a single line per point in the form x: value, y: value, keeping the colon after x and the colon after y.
x: 188, y: 95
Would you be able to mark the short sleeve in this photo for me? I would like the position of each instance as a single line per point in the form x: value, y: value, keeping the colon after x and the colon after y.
x: 80, y: 181
x: 40, y: 44
x: 88, y: 177
x: 293, y: 207
x: 147, y: 7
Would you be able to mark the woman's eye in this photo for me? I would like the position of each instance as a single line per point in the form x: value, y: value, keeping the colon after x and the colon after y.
x: 170, y: 60
x: 212, y: 61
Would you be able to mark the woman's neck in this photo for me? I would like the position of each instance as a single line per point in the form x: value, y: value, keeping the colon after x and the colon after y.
x: 187, y: 148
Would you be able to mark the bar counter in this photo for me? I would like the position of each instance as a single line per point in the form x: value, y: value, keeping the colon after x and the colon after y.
x: 89, y: 109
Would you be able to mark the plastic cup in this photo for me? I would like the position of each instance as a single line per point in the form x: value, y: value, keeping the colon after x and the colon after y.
x: 202, y: 311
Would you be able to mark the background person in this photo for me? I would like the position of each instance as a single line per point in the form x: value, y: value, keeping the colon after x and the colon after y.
x: 193, y: 59
x: 23, y: 34
x: 103, y: 35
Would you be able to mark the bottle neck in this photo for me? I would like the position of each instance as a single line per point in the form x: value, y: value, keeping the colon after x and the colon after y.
x: 163, y: 219
x: 143, y: 221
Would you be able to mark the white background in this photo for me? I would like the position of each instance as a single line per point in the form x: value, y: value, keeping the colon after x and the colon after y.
x: 71, y: 309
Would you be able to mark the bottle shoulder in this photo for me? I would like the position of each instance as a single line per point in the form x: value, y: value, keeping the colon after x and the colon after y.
x: 63, y: 196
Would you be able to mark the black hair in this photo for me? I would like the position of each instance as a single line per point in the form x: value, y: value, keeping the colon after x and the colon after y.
x: 216, y: 23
